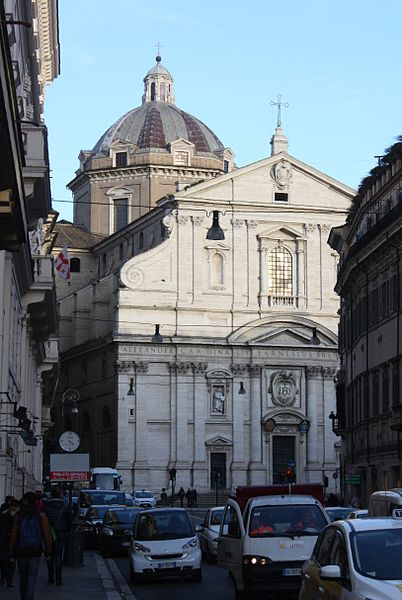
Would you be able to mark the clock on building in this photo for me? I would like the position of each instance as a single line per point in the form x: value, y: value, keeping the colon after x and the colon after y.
x: 69, y: 441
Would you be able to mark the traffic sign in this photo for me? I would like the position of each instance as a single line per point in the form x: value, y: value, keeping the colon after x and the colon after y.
x: 351, y: 469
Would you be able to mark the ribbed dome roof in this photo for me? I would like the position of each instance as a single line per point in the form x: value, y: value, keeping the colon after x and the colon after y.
x: 159, y: 121
x: 154, y: 125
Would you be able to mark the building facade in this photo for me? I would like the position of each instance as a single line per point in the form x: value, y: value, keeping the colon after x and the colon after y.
x: 29, y: 61
x: 237, y: 273
x: 369, y: 414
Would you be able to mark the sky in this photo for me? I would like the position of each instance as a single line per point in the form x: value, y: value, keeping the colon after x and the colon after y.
x: 336, y: 63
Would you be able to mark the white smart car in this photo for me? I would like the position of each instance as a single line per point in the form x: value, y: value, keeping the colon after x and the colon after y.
x: 164, y: 544
x: 355, y: 560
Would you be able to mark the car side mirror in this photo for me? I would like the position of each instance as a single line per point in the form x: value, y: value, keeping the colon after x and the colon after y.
x: 330, y: 572
x: 198, y: 528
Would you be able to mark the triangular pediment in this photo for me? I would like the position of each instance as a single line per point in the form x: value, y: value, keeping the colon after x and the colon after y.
x: 256, y: 184
x: 218, y: 441
x: 120, y: 143
x: 285, y: 331
x: 181, y: 143
x: 281, y: 232
x: 216, y: 246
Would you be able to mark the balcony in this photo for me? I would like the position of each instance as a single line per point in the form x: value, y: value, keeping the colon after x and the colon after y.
x: 283, y: 301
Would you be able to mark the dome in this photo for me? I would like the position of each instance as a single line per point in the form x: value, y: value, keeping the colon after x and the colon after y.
x: 159, y: 122
x: 154, y: 125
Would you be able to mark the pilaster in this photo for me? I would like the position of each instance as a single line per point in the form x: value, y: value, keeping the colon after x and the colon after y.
x: 314, y: 377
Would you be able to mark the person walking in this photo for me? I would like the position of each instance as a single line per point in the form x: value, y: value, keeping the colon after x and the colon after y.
x: 7, y: 566
x: 30, y: 536
x: 181, y: 494
x: 189, y: 498
x: 60, y: 519
x: 163, y: 496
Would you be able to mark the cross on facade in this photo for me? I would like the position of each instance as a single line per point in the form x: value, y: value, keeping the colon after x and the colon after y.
x: 279, y: 104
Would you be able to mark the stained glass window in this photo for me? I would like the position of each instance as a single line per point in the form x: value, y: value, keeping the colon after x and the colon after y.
x: 280, y: 275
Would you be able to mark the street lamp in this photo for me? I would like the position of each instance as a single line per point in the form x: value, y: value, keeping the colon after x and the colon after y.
x: 69, y: 396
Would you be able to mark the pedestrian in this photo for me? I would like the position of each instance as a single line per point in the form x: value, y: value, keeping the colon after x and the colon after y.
x: 60, y: 519
x: 30, y: 536
x: 189, y: 498
x: 181, y: 495
x: 7, y: 566
x: 194, y: 493
x: 163, y: 496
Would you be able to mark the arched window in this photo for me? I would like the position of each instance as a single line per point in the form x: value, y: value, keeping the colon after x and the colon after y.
x: 280, y: 272
x: 152, y: 91
x: 106, y: 418
x: 75, y: 265
x: 217, y: 269
x: 86, y: 421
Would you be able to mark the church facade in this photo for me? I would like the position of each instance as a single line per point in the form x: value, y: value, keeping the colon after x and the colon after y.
x: 205, y: 336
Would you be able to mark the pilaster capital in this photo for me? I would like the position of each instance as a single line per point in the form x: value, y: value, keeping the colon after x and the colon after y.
x: 255, y: 370
x: 239, y: 369
x: 313, y: 372
x: 124, y: 366
x: 181, y: 368
x: 199, y: 368
x: 310, y: 227
x: 238, y: 223
x: 198, y: 220
x: 329, y: 372
x: 141, y: 367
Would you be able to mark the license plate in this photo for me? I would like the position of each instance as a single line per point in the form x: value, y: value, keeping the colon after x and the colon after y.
x: 126, y: 544
x: 291, y: 572
x: 166, y: 565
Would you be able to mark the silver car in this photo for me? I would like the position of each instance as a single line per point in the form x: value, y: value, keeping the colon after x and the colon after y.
x: 210, y: 532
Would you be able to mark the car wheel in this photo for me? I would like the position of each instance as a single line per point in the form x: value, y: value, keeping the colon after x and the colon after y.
x: 196, y: 575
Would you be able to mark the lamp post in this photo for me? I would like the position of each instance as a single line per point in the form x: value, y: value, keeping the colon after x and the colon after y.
x: 70, y: 396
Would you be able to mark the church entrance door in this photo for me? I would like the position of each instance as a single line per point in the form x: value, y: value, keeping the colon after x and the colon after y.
x: 218, y: 470
x: 283, y: 456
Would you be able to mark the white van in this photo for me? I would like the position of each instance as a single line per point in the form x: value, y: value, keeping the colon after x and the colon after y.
x: 264, y: 548
x: 382, y: 503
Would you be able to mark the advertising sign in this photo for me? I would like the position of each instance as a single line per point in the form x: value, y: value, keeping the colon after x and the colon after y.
x: 69, y: 467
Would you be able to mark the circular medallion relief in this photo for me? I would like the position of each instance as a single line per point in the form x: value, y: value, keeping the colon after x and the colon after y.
x: 269, y: 425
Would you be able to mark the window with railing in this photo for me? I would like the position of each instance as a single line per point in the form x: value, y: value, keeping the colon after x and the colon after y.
x: 280, y: 276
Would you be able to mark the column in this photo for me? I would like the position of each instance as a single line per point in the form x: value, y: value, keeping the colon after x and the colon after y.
x: 329, y: 404
x: 263, y: 268
x: 256, y: 473
x: 239, y: 258
x: 313, y: 404
x: 200, y: 464
x: 239, y: 465
x: 184, y: 394
x: 140, y: 464
x: 125, y: 427
x: 301, y: 279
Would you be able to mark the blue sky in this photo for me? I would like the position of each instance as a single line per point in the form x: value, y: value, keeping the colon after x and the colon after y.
x: 337, y: 64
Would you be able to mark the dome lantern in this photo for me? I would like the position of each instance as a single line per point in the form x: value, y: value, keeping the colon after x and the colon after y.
x: 158, y: 84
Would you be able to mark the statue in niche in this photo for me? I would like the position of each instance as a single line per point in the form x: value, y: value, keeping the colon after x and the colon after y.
x: 36, y: 238
x: 283, y: 388
x: 218, y: 400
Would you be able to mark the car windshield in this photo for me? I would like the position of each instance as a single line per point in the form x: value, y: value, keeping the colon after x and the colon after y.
x: 377, y: 554
x: 163, y: 526
x: 143, y: 495
x: 338, y: 513
x: 216, y: 517
x: 89, y: 497
x: 96, y: 512
x: 121, y: 516
x: 266, y: 521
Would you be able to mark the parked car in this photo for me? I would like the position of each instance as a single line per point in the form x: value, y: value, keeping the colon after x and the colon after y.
x: 356, y: 559
x: 144, y: 499
x: 88, y: 498
x: 164, y: 544
x: 361, y: 513
x: 91, y: 524
x: 209, y: 533
x: 116, y: 530
x: 336, y: 513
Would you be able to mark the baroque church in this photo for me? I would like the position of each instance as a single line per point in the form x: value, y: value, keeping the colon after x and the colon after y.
x: 199, y: 326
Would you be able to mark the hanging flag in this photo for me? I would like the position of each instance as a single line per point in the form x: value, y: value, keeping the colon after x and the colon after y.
x: 62, y: 264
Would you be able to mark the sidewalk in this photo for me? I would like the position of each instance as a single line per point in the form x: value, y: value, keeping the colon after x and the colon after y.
x: 91, y: 581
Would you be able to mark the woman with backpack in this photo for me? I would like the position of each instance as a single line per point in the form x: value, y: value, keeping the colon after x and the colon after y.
x: 30, y: 537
